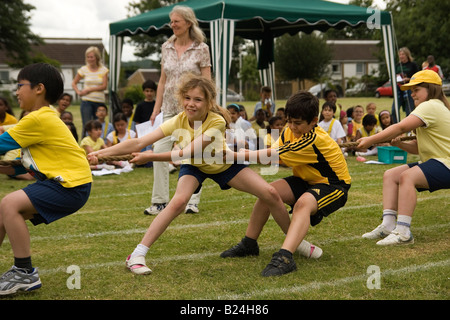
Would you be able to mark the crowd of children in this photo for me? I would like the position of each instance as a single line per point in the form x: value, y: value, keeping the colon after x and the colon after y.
x: 352, y: 124
x: 343, y: 125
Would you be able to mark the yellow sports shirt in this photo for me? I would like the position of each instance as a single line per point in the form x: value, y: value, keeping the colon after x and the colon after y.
x: 9, y: 119
x: 433, y: 139
x: 214, y: 127
x: 314, y: 157
x: 96, y: 145
x: 48, y: 148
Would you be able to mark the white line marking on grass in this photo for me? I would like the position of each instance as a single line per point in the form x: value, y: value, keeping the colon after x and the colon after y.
x: 180, y: 226
x: 334, y: 283
x: 204, y: 255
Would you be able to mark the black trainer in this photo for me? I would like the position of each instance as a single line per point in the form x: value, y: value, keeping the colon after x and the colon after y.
x: 240, y: 250
x: 279, y: 265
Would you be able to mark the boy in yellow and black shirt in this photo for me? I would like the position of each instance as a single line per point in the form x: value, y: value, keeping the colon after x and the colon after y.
x: 318, y: 186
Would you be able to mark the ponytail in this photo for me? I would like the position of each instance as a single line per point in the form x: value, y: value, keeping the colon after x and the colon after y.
x: 435, y: 92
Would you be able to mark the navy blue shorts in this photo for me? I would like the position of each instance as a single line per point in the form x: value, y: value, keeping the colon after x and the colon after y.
x: 52, y: 201
x: 436, y: 173
x: 221, y: 178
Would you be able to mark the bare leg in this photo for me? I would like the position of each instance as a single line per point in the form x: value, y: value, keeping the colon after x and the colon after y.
x: 391, y: 180
x: 305, y: 206
x: 269, y: 201
x: 407, y: 196
x: 185, y: 188
x: 15, y: 208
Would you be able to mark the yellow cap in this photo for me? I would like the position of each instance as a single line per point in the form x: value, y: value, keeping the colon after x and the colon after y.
x: 427, y: 76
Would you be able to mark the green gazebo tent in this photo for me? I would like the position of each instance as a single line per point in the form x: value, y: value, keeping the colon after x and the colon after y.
x: 258, y: 20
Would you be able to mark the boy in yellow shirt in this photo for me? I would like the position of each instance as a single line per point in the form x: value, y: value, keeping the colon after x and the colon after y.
x: 318, y: 186
x: 53, y: 157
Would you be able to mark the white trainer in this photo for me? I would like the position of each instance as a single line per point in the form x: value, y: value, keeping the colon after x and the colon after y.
x: 396, y: 238
x: 154, y: 209
x: 309, y: 250
x: 377, y: 233
x: 191, y: 208
x: 137, y: 265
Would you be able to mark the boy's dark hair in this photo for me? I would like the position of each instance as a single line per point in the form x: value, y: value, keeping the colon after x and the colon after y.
x: 65, y: 94
x: 329, y: 104
x: 102, y: 105
x: 149, y: 84
x: 65, y: 112
x: 327, y: 92
x: 350, y: 112
x: 46, y: 74
x: 92, y: 124
x: 128, y: 101
x: 266, y: 89
x: 368, y: 120
x: 302, y: 105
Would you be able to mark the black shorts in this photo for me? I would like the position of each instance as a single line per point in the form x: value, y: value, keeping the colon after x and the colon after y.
x: 329, y: 197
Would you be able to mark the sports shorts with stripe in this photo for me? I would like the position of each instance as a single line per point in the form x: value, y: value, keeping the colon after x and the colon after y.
x: 329, y: 197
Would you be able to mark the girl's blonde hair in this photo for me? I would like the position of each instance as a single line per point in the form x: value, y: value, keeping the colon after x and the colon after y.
x: 97, y: 54
x: 195, y: 33
x: 191, y: 81
x: 435, y: 92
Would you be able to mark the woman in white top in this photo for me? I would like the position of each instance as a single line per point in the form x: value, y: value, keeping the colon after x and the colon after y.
x: 95, y: 76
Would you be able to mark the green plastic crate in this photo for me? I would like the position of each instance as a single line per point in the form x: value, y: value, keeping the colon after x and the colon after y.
x: 390, y: 155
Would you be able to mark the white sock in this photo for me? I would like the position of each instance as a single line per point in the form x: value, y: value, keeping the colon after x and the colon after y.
x: 140, y: 250
x: 389, y: 219
x: 403, y: 224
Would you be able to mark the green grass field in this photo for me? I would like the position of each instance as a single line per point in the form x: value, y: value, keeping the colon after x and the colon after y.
x: 186, y: 263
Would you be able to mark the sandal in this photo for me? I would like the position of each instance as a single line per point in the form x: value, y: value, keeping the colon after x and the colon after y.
x: 137, y: 265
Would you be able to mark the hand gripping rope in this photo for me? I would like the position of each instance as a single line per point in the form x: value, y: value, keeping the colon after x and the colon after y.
x: 355, y: 144
x: 100, y: 160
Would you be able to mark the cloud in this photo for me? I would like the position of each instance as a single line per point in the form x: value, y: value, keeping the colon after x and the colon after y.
x: 78, y: 19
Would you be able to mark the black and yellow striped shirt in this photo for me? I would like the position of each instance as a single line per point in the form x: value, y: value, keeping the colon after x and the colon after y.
x: 314, y: 157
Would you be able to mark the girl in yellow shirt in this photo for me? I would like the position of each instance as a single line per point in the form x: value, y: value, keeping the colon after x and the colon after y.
x: 6, y: 114
x: 431, y: 122
x: 199, y: 131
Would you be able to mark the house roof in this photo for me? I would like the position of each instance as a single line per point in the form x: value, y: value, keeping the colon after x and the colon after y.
x: 68, y: 51
x: 354, y: 50
x: 152, y: 74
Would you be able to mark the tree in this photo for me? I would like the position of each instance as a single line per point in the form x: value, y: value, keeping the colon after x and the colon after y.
x: 16, y: 37
x: 146, y: 45
x: 301, y: 56
x: 423, y: 27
